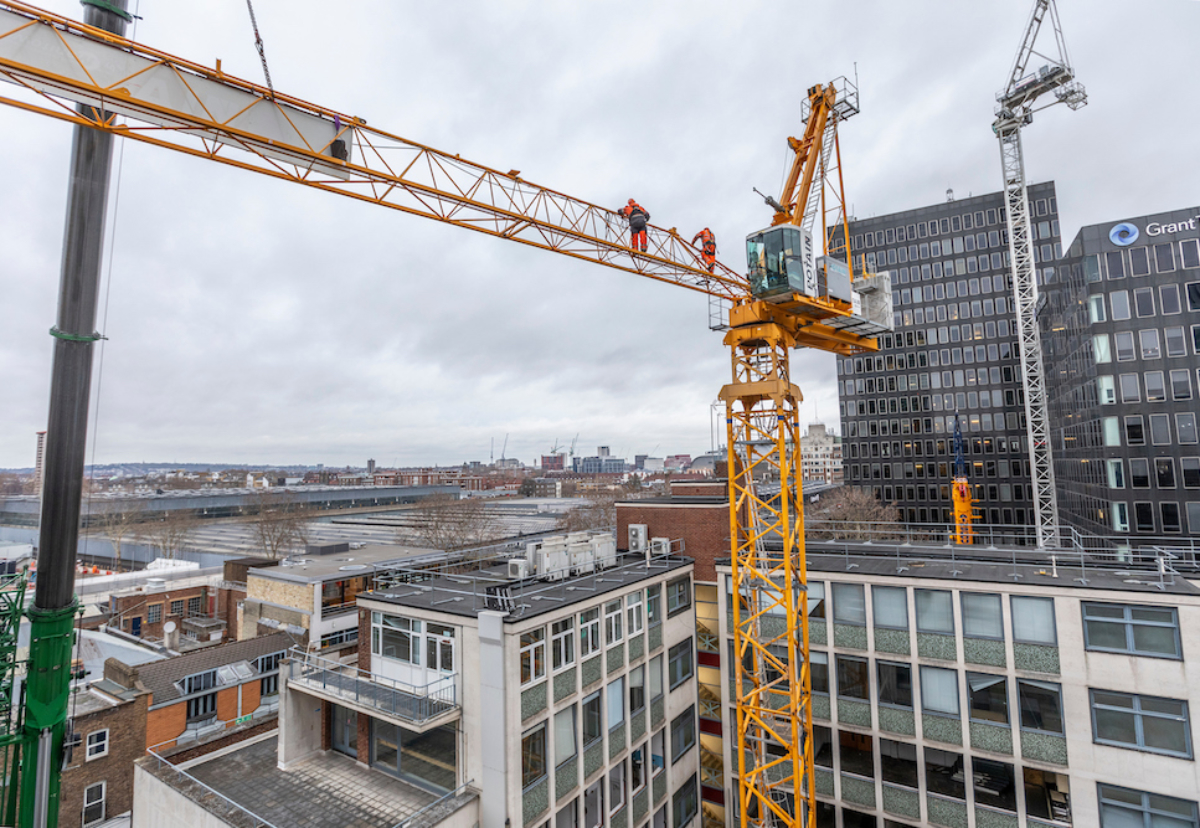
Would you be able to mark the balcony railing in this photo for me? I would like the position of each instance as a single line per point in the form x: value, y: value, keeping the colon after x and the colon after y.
x: 415, y: 703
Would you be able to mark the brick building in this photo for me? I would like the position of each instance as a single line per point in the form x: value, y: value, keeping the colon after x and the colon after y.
x: 109, y: 735
x: 203, y: 608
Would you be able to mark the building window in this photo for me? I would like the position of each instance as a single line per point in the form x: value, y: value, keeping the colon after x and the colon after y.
x: 616, y: 787
x: 202, y: 707
x: 637, y: 768
x: 656, y: 678
x: 1143, y: 722
x: 93, y: 803
x: 612, y: 622
x: 533, y: 756
x: 396, y: 638
x: 1122, y: 807
x: 637, y: 690
x: 1135, y: 429
x: 1185, y: 425
x: 268, y: 667
x: 818, y: 671
x: 194, y: 606
x: 658, y: 752
x: 1033, y: 620
x: 564, y: 735
x: 593, y: 719
x: 1041, y: 706
x: 589, y: 632
x: 177, y: 607
x: 853, y: 676
x: 939, y: 691
x: 533, y: 655
x: 988, y: 696
x: 633, y: 612
x: 935, y: 612
x: 981, y: 616
x: 154, y: 613
x: 1136, y: 630
x: 891, y: 607
x: 895, y: 684
x: 680, y: 663
x: 1131, y: 390
x: 944, y: 773
x: 684, y: 803
x: 679, y: 596
x: 994, y: 784
x: 683, y: 734
x: 849, y: 605
x: 593, y: 805
x: 654, y: 605
x: 562, y: 643
x: 568, y: 817
x: 816, y: 599
x: 97, y: 744
x: 616, y: 703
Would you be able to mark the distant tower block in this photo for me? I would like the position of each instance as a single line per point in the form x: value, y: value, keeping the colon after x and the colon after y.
x: 39, y: 465
x: 370, y: 467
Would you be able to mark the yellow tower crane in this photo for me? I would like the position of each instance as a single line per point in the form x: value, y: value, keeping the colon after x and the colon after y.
x: 791, y: 298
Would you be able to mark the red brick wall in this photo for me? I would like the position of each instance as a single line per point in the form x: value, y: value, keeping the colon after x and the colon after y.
x: 165, y: 724
x: 128, y: 607
x: 364, y: 640
x: 126, y: 725
x: 227, y: 704
x: 704, y: 530
x: 689, y: 488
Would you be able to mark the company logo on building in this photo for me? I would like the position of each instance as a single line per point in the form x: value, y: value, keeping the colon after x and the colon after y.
x: 1123, y: 234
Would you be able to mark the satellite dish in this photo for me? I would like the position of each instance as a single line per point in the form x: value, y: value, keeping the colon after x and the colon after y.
x: 169, y: 627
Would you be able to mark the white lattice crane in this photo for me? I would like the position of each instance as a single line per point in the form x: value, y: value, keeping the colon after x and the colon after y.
x: 1018, y: 102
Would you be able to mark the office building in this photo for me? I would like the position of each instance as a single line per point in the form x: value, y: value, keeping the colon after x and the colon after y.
x: 1121, y: 332
x: 554, y: 689
x: 954, y: 349
x: 820, y: 455
x: 969, y: 692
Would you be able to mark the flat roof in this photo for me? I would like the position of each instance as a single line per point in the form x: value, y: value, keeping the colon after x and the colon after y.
x: 327, y: 790
x: 467, y: 595
x: 995, y: 565
x: 353, y: 563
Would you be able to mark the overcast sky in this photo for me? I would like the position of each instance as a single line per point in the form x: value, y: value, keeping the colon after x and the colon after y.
x: 253, y: 321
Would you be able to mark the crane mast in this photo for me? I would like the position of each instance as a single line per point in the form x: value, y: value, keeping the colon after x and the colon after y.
x: 791, y: 298
x: 961, y: 495
x: 1015, y: 111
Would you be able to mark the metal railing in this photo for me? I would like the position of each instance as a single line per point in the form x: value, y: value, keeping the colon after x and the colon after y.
x: 167, y: 768
x: 454, y: 794
x: 416, y: 703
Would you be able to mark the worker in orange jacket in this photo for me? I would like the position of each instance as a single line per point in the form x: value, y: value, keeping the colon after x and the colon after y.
x: 708, y: 247
x: 637, y: 217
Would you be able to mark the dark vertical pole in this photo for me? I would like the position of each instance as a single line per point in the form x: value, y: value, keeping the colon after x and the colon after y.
x: 53, y: 611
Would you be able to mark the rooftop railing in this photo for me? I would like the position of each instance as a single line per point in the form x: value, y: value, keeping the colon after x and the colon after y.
x: 415, y: 703
x: 167, y: 770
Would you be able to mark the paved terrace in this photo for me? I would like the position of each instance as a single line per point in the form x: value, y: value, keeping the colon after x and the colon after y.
x: 324, y: 791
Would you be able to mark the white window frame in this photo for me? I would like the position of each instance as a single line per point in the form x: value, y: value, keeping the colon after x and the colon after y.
x: 589, y: 632
x: 530, y: 651
x: 562, y: 645
x: 612, y: 623
x: 634, y: 618
x: 102, y: 802
x: 89, y: 755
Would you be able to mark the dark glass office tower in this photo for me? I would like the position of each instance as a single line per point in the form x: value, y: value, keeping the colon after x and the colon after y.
x: 1121, y: 333
x: 954, y: 349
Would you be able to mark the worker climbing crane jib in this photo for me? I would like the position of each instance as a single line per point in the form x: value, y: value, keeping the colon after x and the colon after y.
x: 91, y: 76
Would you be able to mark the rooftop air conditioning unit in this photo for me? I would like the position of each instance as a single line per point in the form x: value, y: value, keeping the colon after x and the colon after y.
x: 638, y: 532
x: 605, y: 548
x: 518, y: 568
x: 583, y: 558
x: 660, y: 546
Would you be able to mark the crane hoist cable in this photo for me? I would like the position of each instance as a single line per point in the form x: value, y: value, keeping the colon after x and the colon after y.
x: 258, y: 44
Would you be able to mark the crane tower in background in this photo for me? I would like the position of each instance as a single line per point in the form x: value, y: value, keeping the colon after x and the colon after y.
x: 1017, y: 103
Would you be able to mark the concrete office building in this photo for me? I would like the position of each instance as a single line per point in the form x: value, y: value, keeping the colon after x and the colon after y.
x: 954, y: 349
x: 820, y: 455
x: 500, y: 698
x: 975, y: 693
x: 1121, y: 331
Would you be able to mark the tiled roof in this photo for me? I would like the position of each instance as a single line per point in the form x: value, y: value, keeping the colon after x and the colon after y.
x: 159, y: 677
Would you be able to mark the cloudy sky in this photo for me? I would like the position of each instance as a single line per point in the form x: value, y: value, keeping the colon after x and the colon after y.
x: 252, y: 321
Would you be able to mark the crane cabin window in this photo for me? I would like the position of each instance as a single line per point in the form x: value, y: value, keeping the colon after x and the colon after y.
x: 778, y: 258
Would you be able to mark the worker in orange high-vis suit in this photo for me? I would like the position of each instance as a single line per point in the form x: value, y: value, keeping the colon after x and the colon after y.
x: 708, y: 248
x: 637, y: 217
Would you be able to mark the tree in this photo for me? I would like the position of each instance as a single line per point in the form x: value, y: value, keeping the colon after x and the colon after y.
x: 851, y: 513
x: 598, y: 511
x: 115, y: 519
x: 280, y: 522
x: 445, y: 522
x: 170, y: 532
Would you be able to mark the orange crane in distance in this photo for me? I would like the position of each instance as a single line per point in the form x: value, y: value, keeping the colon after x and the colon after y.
x: 791, y: 298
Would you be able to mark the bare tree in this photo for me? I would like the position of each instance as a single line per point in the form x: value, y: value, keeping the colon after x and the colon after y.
x: 115, y: 519
x: 445, y: 522
x: 597, y: 511
x: 851, y: 513
x: 171, y: 531
x: 280, y: 522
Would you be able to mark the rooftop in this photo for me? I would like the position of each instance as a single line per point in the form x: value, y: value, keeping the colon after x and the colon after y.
x: 324, y: 791
x: 159, y: 677
x: 312, y: 569
x: 490, y: 588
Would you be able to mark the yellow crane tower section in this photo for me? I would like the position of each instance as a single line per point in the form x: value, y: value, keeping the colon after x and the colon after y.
x: 791, y: 298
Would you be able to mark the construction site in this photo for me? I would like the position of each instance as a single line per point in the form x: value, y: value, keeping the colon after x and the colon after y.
x: 1004, y: 643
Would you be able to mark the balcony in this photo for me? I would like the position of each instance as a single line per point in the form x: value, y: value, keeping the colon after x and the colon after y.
x: 416, y: 707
